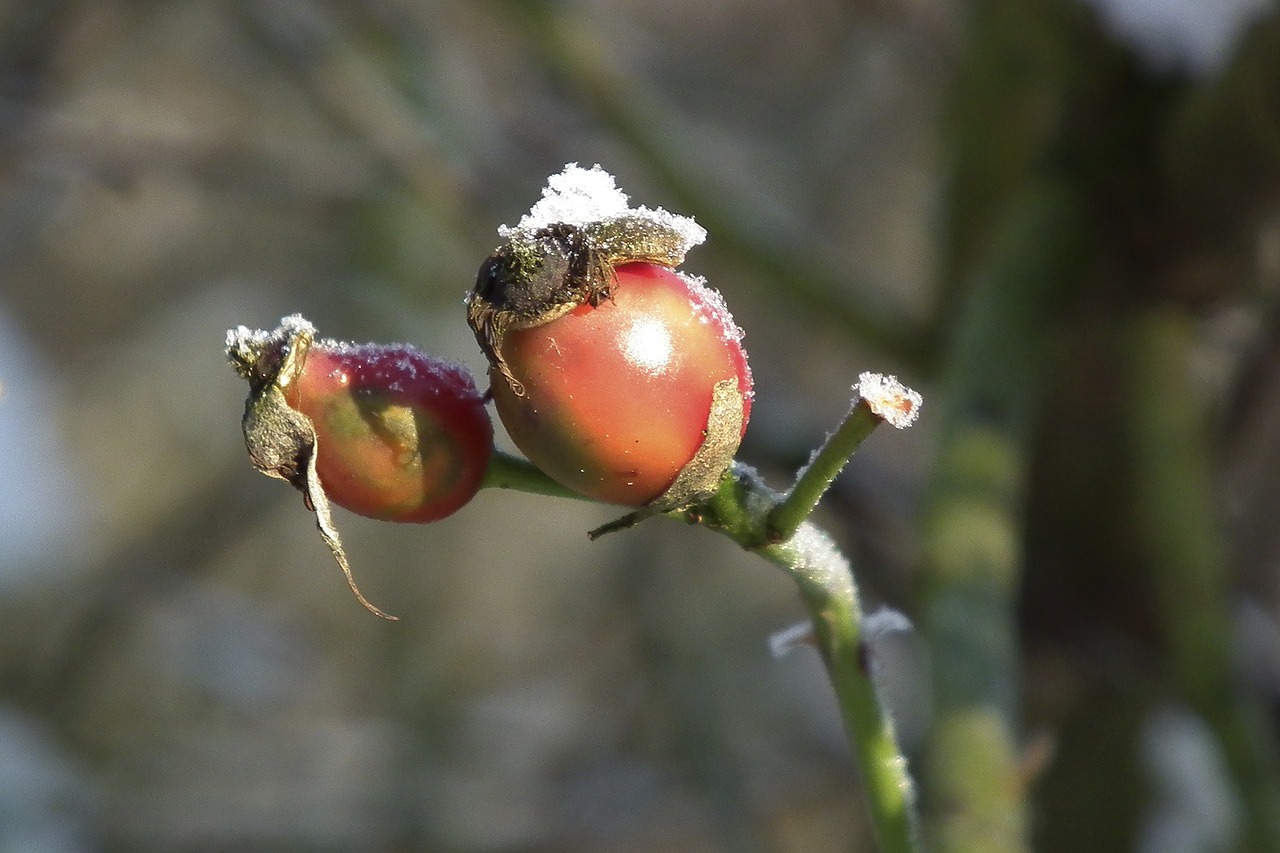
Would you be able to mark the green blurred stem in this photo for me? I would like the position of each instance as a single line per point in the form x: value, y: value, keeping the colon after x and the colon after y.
x: 1178, y: 528
x: 815, y: 478
x: 972, y: 522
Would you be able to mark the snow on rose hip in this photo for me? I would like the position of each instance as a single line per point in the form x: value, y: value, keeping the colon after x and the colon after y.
x: 622, y: 380
x: 619, y: 377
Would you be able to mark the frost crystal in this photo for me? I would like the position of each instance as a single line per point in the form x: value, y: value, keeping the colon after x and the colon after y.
x: 889, y: 399
x: 242, y: 339
x: 884, y: 622
x: 782, y: 643
x: 581, y: 197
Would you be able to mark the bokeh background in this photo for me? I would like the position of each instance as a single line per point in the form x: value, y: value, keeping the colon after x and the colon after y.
x: 1059, y: 220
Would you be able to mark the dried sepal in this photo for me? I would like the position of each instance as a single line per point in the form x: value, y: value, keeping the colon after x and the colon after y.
x: 281, y: 441
x: 318, y: 501
x: 563, y: 254
x: 700, y: 478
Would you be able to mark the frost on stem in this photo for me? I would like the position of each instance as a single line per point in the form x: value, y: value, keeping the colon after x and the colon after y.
x: 889, y: 399
x: 782, y: 643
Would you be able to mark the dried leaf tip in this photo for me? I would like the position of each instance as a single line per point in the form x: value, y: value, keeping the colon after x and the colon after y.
x: 888, y: 398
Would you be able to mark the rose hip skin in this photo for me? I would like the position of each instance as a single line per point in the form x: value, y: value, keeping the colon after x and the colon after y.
x: 401, y: 436
x: 617, y: 396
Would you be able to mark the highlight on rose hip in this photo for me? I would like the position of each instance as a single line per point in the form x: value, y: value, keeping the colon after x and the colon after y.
x: 622, y: 379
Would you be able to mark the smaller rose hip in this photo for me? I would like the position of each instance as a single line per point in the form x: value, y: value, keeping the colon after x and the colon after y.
x: 401, y: 435
x: 385, y: 431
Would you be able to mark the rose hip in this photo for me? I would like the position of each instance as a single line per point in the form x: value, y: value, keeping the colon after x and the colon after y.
x: 618, y: 397
x: 401, y: 435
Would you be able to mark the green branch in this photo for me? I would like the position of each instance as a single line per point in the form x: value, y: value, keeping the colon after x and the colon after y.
x: 519, y: 474
x: 757, y: 518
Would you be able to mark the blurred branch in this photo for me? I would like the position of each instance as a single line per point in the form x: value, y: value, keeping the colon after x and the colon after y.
x: 1178, y: 529
x: 358, y: 94
x: 59, y: 642
x: 972, y: 524
x: 572, y: 50
x: 1222, y: 149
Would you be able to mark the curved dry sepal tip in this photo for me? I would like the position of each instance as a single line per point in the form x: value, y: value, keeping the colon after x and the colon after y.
x: 627, y: 521
x: 784, y: 642
x: 700, y: 478
x: 319, y: 502
x: 895, y: 403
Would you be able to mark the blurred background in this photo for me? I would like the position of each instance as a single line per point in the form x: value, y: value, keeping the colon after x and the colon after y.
x: 1059, y: 220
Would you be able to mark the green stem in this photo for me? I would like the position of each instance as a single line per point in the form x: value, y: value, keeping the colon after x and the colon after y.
x: 741, y: 510
x: 513, y: 472
x: 829, y: 594
x: 815, y: 478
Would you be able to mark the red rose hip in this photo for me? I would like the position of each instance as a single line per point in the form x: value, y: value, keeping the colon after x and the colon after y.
x: 400, y: 435
x: 615, y: 400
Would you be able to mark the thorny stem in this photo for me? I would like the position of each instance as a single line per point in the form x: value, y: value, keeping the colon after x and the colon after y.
x: 760, y: 520
x: 815, y: 478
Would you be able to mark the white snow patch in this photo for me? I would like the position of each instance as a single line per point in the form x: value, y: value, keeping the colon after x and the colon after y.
x: 1197, y: 36
x: 580, y: 197
x: 889, y: 398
